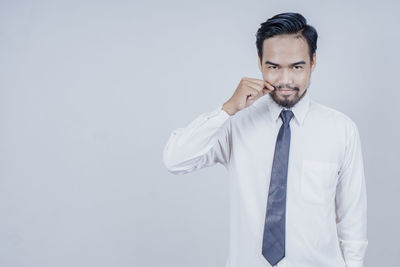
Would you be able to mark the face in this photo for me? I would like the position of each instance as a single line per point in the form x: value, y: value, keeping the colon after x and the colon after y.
x: 287, y: 66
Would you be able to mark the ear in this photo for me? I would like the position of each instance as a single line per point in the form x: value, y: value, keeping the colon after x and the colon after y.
x: 259, y: 63
x: 314, y: 61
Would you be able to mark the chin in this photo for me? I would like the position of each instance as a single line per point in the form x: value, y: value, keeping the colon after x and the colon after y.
x: 287, y: 101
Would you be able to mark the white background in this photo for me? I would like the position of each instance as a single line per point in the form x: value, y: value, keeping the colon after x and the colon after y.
x: 90, y: 91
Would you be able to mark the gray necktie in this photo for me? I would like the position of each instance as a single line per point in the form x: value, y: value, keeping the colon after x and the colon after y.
x: 273, y: 247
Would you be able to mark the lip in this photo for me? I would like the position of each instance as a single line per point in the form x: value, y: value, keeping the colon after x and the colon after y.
x: 286, y: 92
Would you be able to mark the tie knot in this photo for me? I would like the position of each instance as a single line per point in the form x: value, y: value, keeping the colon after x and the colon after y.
x: 286, y: 116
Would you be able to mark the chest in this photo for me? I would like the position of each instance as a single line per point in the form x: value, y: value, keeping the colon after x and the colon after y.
x: 254, y: 145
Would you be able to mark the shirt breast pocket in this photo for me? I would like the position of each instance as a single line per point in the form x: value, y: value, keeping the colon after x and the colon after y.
x: 318, y: 181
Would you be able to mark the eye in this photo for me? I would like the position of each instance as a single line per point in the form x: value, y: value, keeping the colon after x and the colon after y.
x: 272, y: 67
x: 297, y: 67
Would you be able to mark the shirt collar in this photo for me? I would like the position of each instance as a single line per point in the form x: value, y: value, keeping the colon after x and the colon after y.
x: 299, y: 110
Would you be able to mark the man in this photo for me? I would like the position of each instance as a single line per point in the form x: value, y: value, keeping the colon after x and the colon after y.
x: 296, y: 177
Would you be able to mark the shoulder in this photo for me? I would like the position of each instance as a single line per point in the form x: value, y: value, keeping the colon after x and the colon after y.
x: 335, y: 120
x: 330, y: 115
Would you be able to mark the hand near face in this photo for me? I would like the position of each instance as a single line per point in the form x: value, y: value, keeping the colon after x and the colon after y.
x: 247, y: 92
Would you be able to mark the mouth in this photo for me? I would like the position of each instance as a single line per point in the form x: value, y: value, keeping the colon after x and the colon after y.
x: 286, y: 91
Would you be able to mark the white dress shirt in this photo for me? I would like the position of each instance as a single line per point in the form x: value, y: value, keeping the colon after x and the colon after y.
x: 326, y: 205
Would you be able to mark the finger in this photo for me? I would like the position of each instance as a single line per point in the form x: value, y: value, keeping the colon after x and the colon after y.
x: 261, y: 83
x: 256, y: 85
x: 254, y: 89
x: 269, y: 86
x: 254, y: 80
x: 266, y: 91
x: 254, y: 94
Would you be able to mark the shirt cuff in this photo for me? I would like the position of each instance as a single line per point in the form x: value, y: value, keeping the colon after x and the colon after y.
x: 218, y: 114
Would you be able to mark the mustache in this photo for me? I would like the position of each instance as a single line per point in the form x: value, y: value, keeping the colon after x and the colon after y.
x: 281, y: 87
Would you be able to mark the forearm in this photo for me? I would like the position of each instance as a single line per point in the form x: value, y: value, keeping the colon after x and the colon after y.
x: 351, y: 204
x: 190, y: 148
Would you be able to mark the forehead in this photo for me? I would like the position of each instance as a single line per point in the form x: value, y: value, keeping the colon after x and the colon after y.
x: 285, y: 47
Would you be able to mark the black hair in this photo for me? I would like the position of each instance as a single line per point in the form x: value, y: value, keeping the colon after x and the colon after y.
x: 287, y: 23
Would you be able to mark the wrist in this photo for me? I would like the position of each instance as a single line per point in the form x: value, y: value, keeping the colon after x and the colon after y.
x: 228, y: 109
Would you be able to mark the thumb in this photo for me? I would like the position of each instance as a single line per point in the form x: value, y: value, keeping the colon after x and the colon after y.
x: 265, y: 91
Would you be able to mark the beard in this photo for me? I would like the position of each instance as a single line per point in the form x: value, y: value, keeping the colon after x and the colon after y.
x: 287, y: 101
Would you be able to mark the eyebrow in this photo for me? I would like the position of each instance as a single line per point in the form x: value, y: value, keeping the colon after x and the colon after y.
x: 293, y: 64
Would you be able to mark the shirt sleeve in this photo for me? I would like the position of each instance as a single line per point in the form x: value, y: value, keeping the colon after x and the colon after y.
x: 202, y: 143
x: 351, y: 202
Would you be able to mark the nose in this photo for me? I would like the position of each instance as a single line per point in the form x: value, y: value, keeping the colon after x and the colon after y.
x: 286, y: 77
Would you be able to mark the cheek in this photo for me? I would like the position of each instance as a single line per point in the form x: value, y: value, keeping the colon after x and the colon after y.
x: 302, y: 79
x: 270, y: 76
